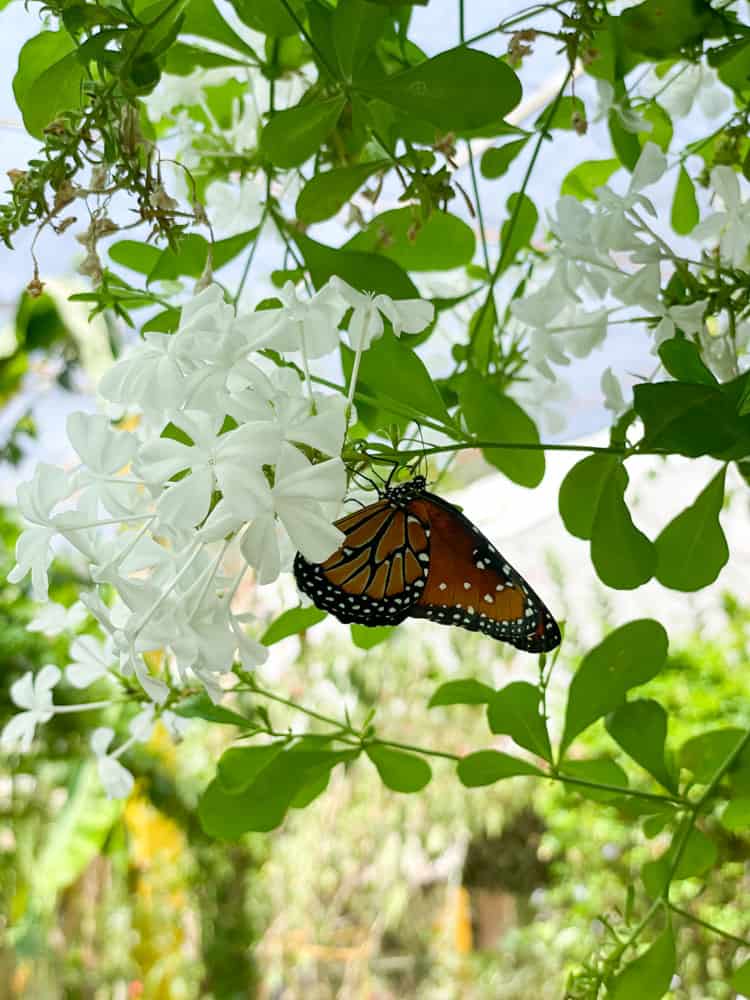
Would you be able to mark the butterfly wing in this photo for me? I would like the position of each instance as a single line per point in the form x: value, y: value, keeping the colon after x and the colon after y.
x: 377, y: 574
x: 471, y: 585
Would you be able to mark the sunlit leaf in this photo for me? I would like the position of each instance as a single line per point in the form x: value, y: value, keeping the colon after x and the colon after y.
x: 640, y: 728
x: 462, y: 692
x: 366, y: 637
x: 491, y: 415
x: 647, y: 977
x: 515, y: 711
x: 598, y: 770
x: 458, y: 89
x: 291, y: 622
x: 692, y: 549
x: 325, y: 194
x: 438, y: 243
x: 485, y: 767
x: 685, y: 212
x: 399, y: 771
x: 48, y: 80
x: 628, y: 657
x: 294, y: 135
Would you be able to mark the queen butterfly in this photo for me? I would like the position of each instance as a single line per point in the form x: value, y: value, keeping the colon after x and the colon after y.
x: 412, y: 554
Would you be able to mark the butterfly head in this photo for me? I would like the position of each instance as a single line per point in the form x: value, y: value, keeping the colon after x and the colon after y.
x: 407, y: 491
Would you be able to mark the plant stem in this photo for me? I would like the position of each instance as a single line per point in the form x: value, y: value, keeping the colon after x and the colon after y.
x: 543, y: 133
x: 709, y: 927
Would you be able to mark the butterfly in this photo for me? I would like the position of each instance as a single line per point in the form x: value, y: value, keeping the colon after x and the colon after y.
x: 412, y: 554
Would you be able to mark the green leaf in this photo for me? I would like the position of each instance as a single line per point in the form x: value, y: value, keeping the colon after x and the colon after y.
x: 365, y: 636
x: 485, y: 767
x: 601, y: 770
x: 482, y: 340
x: 736, y: 816
x: 269, y: 16
x: 733, y: 64
x: 515, y: 711
x: 515, y: 239
x: 204, y: 19
x: 581, y: 490
x: 72, y: 838
x: 458, y: 89
x: 368, y: 272
x: 741, y: 978
x: 624, y: 143
x: 640, y: 728
x: 490, y: 414
x: 240, y: 766
x: 466, y: 691
x: 48, y: 80
x: 661, y: 131
x: 699, y: 855
x: 703, y: 755
x: 582, y: 181
x: 627, y: 658
x: 647, y: 977
x: 692, y: 550
x: 393, y: 373
x: 291, y: 622
x: 495, y: 161
x: 682, y: 359
x: 200, y: 706
x: 140, y: 257
x: 441, y: 242
x: 325, y: 194
x: 399, y: 771
x: 685, y: 212
x: 293, y: 136
x: 660, y: 28
x: 262, y: 805
x: 691, y: 419
x: 356, y: 27
x: 623, y: 556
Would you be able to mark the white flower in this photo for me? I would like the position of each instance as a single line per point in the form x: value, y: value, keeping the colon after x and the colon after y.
x: 36, y: 501
x: 91, y: 660
x: 731, y: 226
x: 206, y: 321
x: 612, y: 229
x: 149, y: 377
x: 366, y: 323
x: 183, y: 503
x: 34, y: 695
x: 117, y: 780
x: 304, y: 497
x: 613, y: 397
x: 100, y: 447
x: 630, y: 120
x: 312, y: 322
x: 234, y: 206
x: 53, y: 619
x: 686, y: 85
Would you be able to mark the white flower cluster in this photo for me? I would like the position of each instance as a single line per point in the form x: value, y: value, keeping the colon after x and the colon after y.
x: 609, y: 265
x: 219, y: 457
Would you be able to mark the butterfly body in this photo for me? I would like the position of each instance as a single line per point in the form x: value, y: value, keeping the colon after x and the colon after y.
x: 413, y: 554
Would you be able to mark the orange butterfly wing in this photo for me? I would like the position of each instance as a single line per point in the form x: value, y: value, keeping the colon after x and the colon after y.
x: 472, y: 586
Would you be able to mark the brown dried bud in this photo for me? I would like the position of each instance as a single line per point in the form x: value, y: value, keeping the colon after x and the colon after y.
x: 519, y: 45
x: 65, y: 193
x: 385, y: 238
x: 200, y: 213
x: 161, y: 201
x: 57, y: 127
x: 413, y: 231
x: 35, y: 287
x: 103, y: 227
x: 16, y: 176
x: 65, y: 224
x: 446, y: 144
x: 99, y: 177
x: 589, y: 56
x: 91, y: 266
x: 579, y: 123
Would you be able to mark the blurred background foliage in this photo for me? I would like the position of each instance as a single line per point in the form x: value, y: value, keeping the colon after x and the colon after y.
x: 456, y: 893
